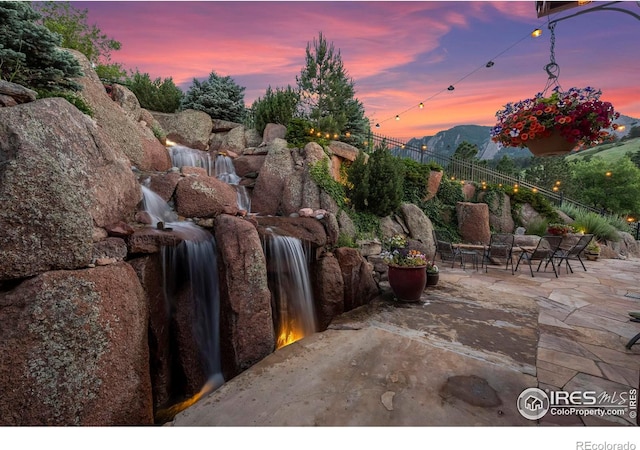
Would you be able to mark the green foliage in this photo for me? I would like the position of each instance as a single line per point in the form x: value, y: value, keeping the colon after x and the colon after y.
x: 538, y: 202
x: 466, y: 151
x: 299, y: 134
x: 367, y: 224
x: 220, y: 97
x: 346, y: 241
x: 71, y: 97
x: 546, y: 172
x: 111, y: 72
x: 320, y: 175
x: 506, y: 165
x: 328, y: 94
x: 157, y: 95
x: 376, y: 186
x: 538, y: 226
x: 159, y: 133
x: 441, y: 209
x: 30, y: 53
x: 616, y: 192
x: 279, y: 106
x: 71, y: 24
x: 416, y: 180
x: 358, y: 183
x: 592, y: 223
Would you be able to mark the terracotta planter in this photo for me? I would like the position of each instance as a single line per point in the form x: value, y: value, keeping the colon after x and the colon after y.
x: 592, y: 256
x: 553, y: 145
x: 407, y: 283
x: 432, y: 279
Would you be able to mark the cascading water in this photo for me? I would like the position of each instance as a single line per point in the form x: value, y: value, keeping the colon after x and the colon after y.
x: 289, y: 283
x: 225, y: 171
x: 194, y: 262
x: 185, y: 156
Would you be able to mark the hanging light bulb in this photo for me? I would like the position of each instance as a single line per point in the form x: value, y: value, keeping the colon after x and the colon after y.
x: 421, y: 105
x: 537, y: 32
x: 377, y: 125
x: 397, y: 117
x: 489, y: 64
x: 450, y: 88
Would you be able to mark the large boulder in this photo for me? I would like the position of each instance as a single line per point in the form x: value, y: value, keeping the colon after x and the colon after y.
x: 248, y: 164
x: 500, y: 218
x: 277, y: 170
x: 17, y: 93
x: 190, y: 128
x: 124, y: 134
x: 59, y: 178
x: 307, y: 229
x: 328, y: 289
x: 235, y: 140
x: 247, y: 331
x: 357, y: 275
x: 473, y: 222
x: 74, y: 350
x: 203, y: 196
x: 420, y: 227
x: 271, y: 132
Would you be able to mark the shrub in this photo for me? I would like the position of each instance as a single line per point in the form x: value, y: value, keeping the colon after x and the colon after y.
x: 592, y: 223
x: 538, y: 226
x: 157, y: 95
x: 279, y: 106
x: 320, y: 175
x: 416, y: 179
x: 71, y: 97
x: 220, y: 97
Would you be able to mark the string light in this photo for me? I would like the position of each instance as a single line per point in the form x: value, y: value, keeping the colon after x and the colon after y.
x: 535, y: 33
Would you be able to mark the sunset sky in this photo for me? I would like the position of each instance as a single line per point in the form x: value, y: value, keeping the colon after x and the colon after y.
x: 398, y: 53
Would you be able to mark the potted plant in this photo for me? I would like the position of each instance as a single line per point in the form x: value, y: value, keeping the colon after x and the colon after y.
x: 433, y: 273
x: 555, y: 124
x: 559, y: 229
x: 592, y: 251
x: 407, y: 272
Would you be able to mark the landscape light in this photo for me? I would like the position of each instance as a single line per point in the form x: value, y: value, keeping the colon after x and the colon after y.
x: 608, y: 174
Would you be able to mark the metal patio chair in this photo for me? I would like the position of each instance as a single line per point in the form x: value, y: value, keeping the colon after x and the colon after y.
x: 545, y: 252
x: 574, y: 253
x: 500, y: 247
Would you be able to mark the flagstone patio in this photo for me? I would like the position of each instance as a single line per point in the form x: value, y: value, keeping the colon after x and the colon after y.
x: 461, y: 356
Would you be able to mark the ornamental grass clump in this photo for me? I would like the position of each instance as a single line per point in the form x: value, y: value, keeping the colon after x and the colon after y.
x: 577, y: 114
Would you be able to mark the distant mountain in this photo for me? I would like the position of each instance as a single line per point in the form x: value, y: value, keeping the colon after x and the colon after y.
x: 446, y: 142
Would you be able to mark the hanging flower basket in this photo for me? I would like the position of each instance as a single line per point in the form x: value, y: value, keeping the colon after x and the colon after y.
x: 555, y: 144
x: 556, y: 124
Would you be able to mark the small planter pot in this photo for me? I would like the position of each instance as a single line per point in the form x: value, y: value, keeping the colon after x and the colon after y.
x: 592, y: 256
x: 407, y: 283
x: 432, y: 279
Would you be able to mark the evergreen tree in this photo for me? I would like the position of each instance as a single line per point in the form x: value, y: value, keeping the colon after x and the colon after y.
x: 157, y: 95
x: 377, y: 185
x: 466, y: 151
x: 220, y: 97
x: 279, y: 106
x: 506, y: 165
x: 328, y: 94
x: 30, y: 53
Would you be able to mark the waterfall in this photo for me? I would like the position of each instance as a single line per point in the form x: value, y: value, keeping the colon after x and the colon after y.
x: 185, y: 156
x: 225, y: 171
x: 192, y: 262
x: 289, y: 283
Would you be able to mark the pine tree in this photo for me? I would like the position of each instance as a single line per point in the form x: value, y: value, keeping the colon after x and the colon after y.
x: 30, y: 53
x: 220, y: 97
x: 327, y: 92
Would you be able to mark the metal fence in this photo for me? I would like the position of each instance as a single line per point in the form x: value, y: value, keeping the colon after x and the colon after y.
x: 464, y: 170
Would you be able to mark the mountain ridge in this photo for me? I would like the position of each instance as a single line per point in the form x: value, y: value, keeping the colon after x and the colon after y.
x: 445, y: 142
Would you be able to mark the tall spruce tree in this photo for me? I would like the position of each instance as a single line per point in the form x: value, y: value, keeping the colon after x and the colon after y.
x: 328, y: 93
